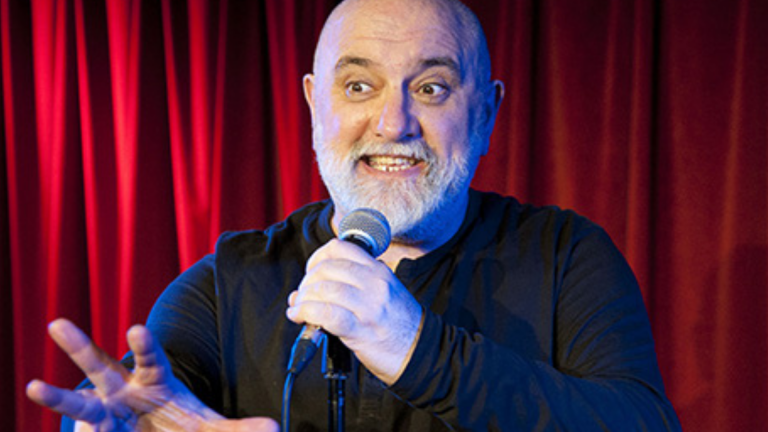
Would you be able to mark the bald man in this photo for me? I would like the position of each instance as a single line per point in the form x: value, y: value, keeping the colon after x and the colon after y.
x: 483, y: 314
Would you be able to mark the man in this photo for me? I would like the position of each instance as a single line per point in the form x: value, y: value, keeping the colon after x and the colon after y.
x: 483, y: 314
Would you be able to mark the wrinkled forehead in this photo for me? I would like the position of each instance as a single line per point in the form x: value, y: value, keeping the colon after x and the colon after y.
x: 397, y: 33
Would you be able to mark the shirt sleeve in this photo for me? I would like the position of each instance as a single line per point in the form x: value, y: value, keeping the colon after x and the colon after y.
x: 183, y: 320
x: 603, y: 374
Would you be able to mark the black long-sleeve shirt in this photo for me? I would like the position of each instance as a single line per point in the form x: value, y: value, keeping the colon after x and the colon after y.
x: 533, y: 321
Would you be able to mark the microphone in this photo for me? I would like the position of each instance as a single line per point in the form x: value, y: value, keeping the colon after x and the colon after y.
x: 366, y: 228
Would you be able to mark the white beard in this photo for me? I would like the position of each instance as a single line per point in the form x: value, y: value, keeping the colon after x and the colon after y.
x: 418, y: 210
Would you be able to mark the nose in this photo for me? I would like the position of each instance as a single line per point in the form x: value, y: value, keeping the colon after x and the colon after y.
x: 397, y: 122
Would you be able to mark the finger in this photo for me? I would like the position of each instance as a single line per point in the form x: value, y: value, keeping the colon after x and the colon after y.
x: 77, y: 405
x: 336, y: 293
x: 339, y: 249
x: 334, y: 319
x: 354, y: 274
x: 106, y: 373
x: 152, y: 365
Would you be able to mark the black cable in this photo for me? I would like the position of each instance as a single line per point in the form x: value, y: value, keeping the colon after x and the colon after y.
x: 287, y: 390
x: 301, y: 353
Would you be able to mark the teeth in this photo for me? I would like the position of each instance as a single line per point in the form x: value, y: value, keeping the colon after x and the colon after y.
x: 390, y: 163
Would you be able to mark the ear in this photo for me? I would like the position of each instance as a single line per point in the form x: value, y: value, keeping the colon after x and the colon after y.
x: 491, y: 103
x: 308, y: 83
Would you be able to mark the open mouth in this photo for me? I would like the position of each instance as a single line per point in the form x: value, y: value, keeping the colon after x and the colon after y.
x: 390, y: 163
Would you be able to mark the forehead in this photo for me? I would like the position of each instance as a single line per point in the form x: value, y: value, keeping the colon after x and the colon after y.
x: 395, y: 34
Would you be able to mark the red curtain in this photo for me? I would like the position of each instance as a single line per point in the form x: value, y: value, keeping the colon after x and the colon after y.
x: 134, y: 132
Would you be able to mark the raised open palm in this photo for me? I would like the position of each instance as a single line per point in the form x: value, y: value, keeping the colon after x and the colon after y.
x: 149, y: 398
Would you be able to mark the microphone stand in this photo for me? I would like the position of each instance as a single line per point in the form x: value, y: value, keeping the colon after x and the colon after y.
x: 336, y: 365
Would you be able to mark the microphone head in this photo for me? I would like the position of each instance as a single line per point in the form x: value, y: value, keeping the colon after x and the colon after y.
x: 367, y: 228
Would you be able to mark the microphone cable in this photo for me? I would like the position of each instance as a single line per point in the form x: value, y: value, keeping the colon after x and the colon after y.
x: 285, y: 419
x: 302, y: 352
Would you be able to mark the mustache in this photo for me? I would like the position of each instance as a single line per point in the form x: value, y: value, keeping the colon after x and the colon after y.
x: 416, y: 149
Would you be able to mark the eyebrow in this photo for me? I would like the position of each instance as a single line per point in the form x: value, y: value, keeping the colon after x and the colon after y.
x: 441, y: 61
x: 431, y: 62
x: 352, y: 60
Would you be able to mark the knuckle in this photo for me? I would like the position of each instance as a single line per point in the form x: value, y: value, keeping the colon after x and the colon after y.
x: 332, y: 290
x: 322, y: 290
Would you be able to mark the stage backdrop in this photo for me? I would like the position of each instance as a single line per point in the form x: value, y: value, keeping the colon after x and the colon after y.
x: 134, y: 132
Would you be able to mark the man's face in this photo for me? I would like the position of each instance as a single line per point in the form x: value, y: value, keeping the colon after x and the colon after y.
x: 396, y: 115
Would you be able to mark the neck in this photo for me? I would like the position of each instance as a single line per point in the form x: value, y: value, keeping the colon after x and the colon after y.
x: 399, y: 250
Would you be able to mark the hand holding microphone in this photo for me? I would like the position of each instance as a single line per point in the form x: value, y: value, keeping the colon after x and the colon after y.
x: 350, y: 294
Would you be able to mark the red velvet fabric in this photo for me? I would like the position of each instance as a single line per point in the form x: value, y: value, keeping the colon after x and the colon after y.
x: 134, y: 132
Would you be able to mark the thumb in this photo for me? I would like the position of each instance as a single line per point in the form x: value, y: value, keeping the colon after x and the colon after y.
x: 251, y: 424
x: 152, y: 365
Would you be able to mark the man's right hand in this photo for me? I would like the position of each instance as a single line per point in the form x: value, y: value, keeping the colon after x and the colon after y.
x: 149, y: 398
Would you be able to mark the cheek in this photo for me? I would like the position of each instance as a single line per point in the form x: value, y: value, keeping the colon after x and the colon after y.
x: 343, y: 123
x: 447, y: 135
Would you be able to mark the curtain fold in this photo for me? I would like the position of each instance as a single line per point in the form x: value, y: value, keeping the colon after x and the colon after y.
x: 135, y: 132
x: 710, y: 236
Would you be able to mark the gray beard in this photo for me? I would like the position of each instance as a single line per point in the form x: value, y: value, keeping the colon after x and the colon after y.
x: 418, y: 210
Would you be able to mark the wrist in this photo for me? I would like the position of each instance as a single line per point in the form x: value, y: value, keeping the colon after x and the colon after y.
x: 411, y: 349
x: 388, y: 360
x: 183, y: 412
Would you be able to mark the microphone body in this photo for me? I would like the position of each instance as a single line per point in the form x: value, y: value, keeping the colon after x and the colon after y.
x: 369, y: 230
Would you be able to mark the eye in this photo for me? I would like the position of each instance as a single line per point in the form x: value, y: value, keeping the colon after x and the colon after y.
x: 357, y: 89
x: 433, y: 91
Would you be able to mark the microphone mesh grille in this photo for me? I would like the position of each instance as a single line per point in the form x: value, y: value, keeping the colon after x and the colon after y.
x: 371, y: 222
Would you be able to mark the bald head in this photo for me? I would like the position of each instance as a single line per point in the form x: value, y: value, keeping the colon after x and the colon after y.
x: 398, y: 18
x: 402, y: 110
